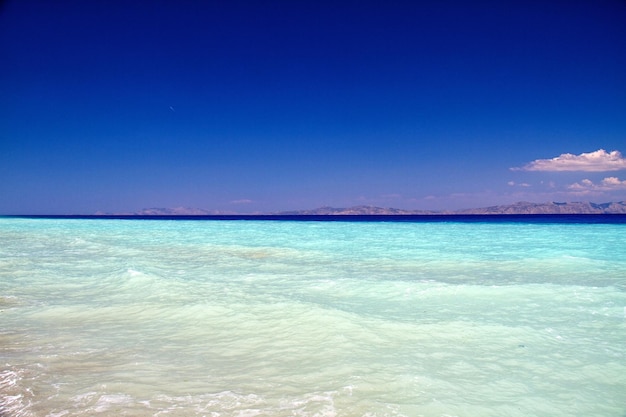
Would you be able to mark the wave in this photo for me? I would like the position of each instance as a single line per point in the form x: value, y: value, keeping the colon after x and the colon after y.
x: 15, y: 399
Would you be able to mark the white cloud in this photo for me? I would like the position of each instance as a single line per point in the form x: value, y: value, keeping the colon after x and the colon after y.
x: 242, y: 201
x: 598, y: 161
x: 613, y: 182
x: 518, y: 184
x: 607, y: 184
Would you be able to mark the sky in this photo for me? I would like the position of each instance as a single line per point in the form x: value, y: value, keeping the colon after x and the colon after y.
x: 265, y: 106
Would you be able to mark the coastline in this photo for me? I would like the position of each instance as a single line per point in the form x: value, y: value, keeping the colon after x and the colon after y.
x: 584, y: 218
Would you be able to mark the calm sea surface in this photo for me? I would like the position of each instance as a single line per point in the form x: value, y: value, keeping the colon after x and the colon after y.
x: 294, y: 318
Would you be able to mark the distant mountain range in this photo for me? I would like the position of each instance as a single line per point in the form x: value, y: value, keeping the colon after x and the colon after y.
x: 551, y: 208
x: 517, y: 208
x: 180, y: 211
x: 356, y: 210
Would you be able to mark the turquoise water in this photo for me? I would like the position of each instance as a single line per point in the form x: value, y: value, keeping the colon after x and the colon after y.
x: 258, y: 318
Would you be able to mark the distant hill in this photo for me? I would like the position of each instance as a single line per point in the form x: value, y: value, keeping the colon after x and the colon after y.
x: 517, y: 208
x: 179, y: 211
x: 551, y: 208
x: 356, y: 210
x: 521, y: 207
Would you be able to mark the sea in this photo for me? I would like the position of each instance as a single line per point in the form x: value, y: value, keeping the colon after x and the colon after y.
x: 433, y: 316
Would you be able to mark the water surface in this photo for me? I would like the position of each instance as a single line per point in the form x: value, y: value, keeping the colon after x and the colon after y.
x: 289, y: 318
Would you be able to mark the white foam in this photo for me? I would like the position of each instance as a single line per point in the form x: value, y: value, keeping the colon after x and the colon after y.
x: 58, y: 414
x: 134, y: 273
x: 105, y: 402
x: 13, y: 401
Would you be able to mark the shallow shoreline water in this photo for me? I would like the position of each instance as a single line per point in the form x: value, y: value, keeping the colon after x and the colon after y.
x: 245, y: 318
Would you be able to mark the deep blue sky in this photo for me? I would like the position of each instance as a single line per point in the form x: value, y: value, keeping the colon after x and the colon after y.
x: 252, y: 106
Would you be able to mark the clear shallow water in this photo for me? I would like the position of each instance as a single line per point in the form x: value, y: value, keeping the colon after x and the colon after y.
x: 257, y: 318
